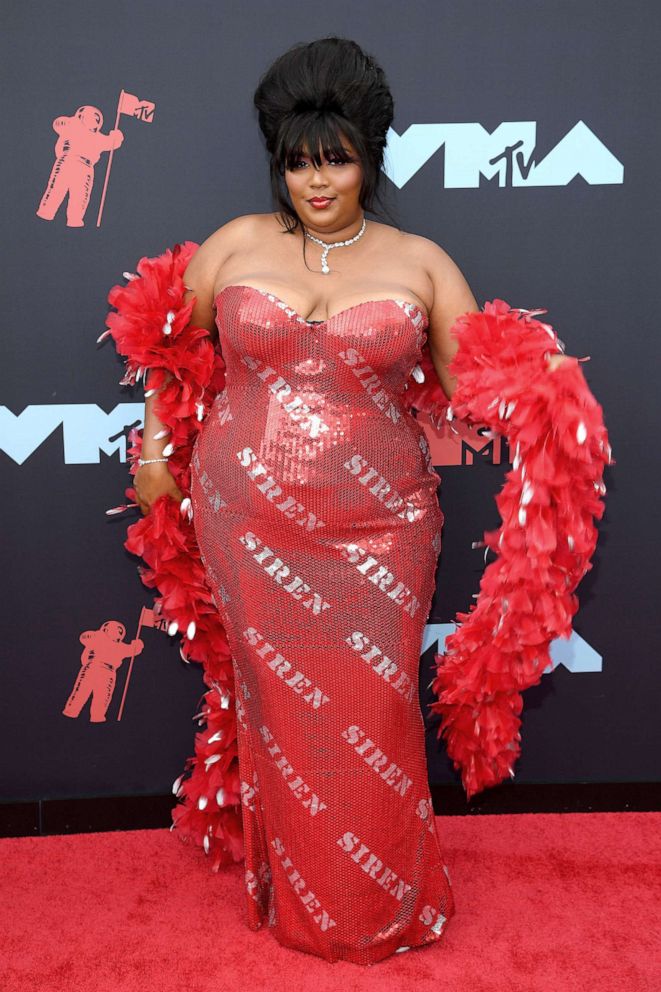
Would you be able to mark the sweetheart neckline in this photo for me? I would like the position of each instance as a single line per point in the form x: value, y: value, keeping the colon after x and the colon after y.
x: 322, y: 323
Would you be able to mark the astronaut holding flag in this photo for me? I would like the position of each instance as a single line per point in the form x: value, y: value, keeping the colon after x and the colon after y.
x: 103, y: 653
x: 78, y: 148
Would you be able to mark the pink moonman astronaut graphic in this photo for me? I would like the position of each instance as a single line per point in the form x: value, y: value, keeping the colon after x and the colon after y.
x: 77, y: 150
x: 103, y: 654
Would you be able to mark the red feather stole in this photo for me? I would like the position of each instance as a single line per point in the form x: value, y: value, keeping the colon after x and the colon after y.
x: 549, y: 502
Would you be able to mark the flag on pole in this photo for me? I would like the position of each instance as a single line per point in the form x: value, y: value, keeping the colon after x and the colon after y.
x: 150, y: 619
x: 143, y: 110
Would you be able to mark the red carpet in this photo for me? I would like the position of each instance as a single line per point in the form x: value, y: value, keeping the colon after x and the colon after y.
x: 545, y: 903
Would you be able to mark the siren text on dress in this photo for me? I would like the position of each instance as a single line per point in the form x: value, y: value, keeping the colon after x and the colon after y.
x: 317, y: 517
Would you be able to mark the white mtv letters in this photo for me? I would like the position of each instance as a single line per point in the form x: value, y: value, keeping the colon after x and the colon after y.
x: 508, y: 152
x: 87, y: 430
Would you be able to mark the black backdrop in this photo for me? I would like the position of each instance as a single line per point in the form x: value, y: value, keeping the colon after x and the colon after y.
x: 574, y: 85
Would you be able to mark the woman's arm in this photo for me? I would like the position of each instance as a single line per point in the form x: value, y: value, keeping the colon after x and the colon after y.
x: 154, y: 479
x: 451, y: 296
x: 200, y: 280
x: 203, y: 270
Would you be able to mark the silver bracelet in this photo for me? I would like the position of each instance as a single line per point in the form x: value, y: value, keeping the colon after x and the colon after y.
x: 149, y: 461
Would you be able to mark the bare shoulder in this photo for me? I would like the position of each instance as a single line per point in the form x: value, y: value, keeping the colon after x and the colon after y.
x: 201, y: 271
x: 439, y: 266
x: 221, y: 243
x: 450, y: 293
x: 450, y: 296
x: 235, y: 229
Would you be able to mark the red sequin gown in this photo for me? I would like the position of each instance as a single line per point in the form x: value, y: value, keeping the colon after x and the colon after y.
x: 316, y: 512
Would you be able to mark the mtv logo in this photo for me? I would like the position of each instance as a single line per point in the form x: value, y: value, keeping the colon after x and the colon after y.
x: 87, y: 430
x: 506, y: 155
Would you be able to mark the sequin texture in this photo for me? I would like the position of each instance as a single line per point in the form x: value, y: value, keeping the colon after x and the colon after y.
x: 317, y: 517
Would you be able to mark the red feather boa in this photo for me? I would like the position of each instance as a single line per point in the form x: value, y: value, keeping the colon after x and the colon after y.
x: 153, y: 329
x: 526, y: 597
x: 550, y: 497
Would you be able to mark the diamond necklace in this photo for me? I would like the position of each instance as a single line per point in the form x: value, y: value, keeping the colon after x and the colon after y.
x: 335, y: 244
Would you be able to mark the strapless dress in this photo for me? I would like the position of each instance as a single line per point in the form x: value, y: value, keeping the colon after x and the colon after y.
x: 317, y: 516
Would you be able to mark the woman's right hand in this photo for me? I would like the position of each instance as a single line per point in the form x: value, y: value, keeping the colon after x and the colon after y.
x: 154, y: 480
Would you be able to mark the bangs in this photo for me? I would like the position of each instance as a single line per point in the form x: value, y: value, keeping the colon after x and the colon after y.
x: 310, y: 137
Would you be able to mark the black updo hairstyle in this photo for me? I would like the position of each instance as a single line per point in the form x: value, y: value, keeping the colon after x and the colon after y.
x: 310, y: 94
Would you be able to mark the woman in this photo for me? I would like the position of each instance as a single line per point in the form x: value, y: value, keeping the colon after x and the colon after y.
x: 314, y: 505
x: 315, y: 481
